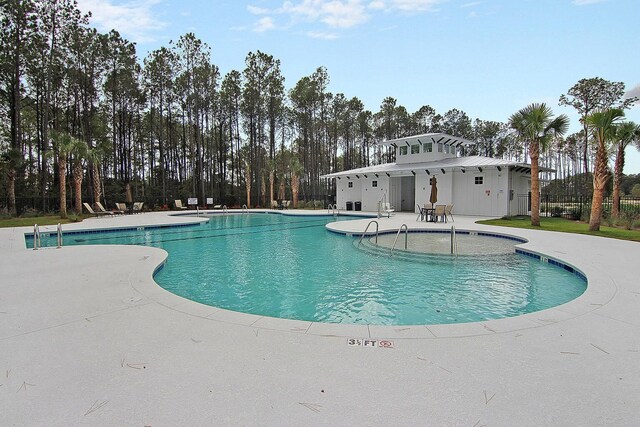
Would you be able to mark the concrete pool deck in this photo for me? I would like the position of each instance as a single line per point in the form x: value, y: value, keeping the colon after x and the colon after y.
x: 88, y: 338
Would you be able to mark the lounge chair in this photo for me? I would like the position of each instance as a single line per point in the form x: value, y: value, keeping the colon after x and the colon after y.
x: 121, y: 208
x: 101, y: 209
x: 447, y: 212
x: 286, y: 204
x: 440, y: 213
x: 137, y: 207
x: 274, y: 204
x: 179, y: 204
x: 421, y: 213
x: 95, y: 213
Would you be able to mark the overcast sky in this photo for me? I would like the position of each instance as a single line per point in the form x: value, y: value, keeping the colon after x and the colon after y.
x: 488, y: 58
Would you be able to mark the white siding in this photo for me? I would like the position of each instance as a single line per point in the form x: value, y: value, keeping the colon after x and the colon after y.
x: 488, y: 199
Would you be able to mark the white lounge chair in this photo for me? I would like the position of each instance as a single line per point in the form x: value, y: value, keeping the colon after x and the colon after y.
x: 179, y: 204
x: 137, y: 207
x: 95, y: 213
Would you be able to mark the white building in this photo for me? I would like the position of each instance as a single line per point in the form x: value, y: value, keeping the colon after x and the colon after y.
x: 475, y: 185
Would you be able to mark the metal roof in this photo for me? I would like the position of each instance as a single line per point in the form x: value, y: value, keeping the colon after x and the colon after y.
x: 442, y: 138
x: 472, y: 163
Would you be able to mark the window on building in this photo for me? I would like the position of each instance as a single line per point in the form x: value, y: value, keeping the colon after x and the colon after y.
x: 350, y: 184
x: 374, y: 183
x: 428, y: 147
x: 479, y: 180
x: 446, y: 149
x: 439, y: 148
x: 403, y: 150
x: 415, y: 149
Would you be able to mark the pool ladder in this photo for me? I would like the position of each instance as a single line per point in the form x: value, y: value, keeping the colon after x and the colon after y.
x: 333, y: 209
x: 245, y: 209
x: 365, y: 232
x: 37, y: 238
x: 454, y: 241
x: 406, y: 234
x: 224, y: 210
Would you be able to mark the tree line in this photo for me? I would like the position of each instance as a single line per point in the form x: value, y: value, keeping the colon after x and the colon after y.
x: 84, y: 118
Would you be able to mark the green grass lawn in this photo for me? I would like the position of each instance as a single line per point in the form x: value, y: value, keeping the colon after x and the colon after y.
x: 565, y: 226
x: 40, y: 220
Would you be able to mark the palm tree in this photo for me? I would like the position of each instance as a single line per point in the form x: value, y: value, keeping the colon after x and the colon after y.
x: 602, y: 125
x: 79, y: 154
x: 535, y: 125
x: 295, y: 168
x: 625, y: 134
x: 94, y: 157
x: 64, y: 145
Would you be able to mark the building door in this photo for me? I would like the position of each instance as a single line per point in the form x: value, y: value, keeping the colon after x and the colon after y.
x: 408, y: 201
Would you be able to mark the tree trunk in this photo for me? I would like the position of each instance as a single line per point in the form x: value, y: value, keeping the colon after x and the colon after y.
x: 97, y: 188
x: 62, y: 171
x: 247, y: 183
x: 11, y: 192
x: 600, y: 177
x: 617, y: 177
x: 534, y: 153
x: 271, y: 185
x: 77, y: 185
x: 295, y: 189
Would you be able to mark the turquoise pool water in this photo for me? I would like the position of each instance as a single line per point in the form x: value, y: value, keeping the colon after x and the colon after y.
x: 292, y: 267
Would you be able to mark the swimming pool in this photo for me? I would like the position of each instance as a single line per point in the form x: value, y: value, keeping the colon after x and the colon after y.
x: 292, y: 267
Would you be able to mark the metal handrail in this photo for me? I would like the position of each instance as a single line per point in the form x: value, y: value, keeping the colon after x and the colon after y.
x: 365, y: 232
x: 224, y: 209
x: 197, y: 210
x: 454, y: 241
x: 245, y: 209
x: 406, y: 235
x: 37, y: 242
x: 59, y: 235
x: 333, y: 209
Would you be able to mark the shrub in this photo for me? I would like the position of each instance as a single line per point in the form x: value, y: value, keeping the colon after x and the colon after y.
x: 556, y: 211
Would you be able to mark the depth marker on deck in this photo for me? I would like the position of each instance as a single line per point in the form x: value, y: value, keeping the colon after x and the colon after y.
x: 365, y: 342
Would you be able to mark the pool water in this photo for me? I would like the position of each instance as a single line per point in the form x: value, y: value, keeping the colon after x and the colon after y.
x: 292, y: 267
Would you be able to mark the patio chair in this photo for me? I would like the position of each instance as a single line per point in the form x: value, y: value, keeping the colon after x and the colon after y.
x: 440, y: 213
x: 447, y: 212
x: 421, y: 213
x: 137, y: 207
x: 179, y: 204
x: 97, y: 214
x: 274, y: 204
x: 286, y: 204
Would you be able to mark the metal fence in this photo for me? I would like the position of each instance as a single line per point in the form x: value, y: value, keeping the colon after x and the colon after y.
x: 575, y: 206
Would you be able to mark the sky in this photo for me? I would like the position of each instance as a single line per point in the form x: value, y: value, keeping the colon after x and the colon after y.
x: 488, y: 58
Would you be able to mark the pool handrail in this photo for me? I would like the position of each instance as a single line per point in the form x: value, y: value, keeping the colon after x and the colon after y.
x: 59, y: 233
x: 406, y: 235
x: 36, y: 237
x: 454, y: 241
x: 333, y: 209
x: 245, y: 209
x: 365, y: 232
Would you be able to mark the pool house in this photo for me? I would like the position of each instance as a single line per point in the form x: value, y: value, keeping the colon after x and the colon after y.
x: 475, y: 185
